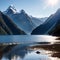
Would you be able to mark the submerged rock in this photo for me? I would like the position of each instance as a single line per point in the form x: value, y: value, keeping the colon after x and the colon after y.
x: 38, y: 52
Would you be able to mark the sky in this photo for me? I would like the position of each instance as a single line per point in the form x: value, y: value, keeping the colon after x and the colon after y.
x: 36, y: 8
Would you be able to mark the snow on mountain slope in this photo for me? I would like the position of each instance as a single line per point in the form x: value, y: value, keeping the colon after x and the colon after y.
x: 21, y: 19
x: 11, y: 10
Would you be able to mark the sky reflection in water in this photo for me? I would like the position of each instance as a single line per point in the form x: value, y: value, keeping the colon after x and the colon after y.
x: 20, y: 52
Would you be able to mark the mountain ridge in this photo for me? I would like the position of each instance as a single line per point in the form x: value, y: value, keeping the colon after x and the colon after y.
x: 49, y: 24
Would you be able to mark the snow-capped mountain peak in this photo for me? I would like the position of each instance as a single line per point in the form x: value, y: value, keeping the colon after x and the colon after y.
x: 22, y: 19
x: 11, y: 10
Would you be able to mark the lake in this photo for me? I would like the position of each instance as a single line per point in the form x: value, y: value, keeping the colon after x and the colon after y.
x: 29, y: 47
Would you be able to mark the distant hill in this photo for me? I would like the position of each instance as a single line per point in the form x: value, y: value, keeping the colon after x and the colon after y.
x: 38, y: 21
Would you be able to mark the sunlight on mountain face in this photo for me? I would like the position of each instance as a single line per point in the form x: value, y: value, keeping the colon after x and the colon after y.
x: 52, y: 2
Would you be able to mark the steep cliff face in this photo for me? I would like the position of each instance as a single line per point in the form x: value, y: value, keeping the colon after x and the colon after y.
x: 56, y: 30
x: 8, y: 26
x: 49, y: 25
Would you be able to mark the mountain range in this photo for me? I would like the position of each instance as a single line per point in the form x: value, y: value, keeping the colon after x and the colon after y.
x: 20, y: 23
x: 25, y: 22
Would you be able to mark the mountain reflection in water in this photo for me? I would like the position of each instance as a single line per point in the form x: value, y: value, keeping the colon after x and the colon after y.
x: 40, y: 47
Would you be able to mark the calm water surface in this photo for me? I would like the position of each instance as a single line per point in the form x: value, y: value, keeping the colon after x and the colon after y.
x: 34, y: 47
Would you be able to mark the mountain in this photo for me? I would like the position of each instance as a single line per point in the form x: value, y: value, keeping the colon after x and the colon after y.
x: 22, y: 19
x: 38, y: 21
x: 8, y: 27
x: 11, y: 10
x: 48, y: 25
x: 56, y: 30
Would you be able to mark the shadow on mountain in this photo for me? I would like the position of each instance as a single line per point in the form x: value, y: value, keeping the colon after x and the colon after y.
x: 7, y: 27
x: 50, y: 26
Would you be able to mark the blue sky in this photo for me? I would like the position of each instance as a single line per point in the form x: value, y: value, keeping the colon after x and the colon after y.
x: 37, y: 8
